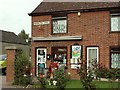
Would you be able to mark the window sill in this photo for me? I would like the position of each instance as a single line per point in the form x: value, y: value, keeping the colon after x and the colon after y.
x: 114, y: 32
x: 58, y: 33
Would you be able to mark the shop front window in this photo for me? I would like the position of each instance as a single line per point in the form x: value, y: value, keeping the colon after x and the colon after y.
x: 40, y: 60
x: 59, y: 55
x: 76, y: 56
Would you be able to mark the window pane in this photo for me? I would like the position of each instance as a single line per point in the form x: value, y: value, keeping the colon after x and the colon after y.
x: 59, y: 26
x: 119, y: 23
x: 92, y: 56
x: 115, y: 60
x: 115, y: 21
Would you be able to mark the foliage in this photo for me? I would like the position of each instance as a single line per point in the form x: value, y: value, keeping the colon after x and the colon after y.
x: 117, y: 73
x: 3, y: 63
x: 23, y: 35
x: 86, y: 77
x: 42, y: 81
x: 62, y: 77
x: 51, y: 81
x: 48, y: 75
x: 100, y: 71
x: 103, y: 72
x: 76, y: 84
x: 22, y: 68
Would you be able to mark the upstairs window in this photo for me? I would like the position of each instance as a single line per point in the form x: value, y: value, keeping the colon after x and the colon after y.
x: 59, y: 25
x: 115, y: 23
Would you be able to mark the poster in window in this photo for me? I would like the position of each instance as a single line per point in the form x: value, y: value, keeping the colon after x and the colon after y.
x: 41, y: 67
x: 76, y: 51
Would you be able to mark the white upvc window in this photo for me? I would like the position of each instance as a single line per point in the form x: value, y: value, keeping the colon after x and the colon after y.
x: 59, y: 25
x: 40, y: 60
x: 92, y: 56
x: 115, y: 57
x: 115, y: 23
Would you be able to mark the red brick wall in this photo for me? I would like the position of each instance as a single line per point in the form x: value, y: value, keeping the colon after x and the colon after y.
x: 10, y: 65
x: 94, y: 27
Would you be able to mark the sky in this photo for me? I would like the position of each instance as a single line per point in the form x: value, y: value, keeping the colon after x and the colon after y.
x: 14, y: 15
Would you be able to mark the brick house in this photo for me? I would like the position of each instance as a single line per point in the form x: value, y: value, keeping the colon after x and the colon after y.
x: 67, y: 31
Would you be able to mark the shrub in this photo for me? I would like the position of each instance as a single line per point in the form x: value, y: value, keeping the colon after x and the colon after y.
x: 61, y: 77
x: 86, y: 77
x: 22, y: 68
x: 117, y: 73
x: 42, y: 81
x: 103, y: 72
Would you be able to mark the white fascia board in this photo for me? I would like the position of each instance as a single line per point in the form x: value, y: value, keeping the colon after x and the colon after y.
x: 57, y: 38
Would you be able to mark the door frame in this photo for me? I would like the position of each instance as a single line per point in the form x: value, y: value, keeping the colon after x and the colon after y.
x: 37, y: 58
x: 90, y: 47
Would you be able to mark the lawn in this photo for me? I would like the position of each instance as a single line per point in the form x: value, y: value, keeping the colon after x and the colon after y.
x: 77, y: 84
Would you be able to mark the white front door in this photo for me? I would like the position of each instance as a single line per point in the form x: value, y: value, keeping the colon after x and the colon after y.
x: 41, y: 60
x: 92, y: 56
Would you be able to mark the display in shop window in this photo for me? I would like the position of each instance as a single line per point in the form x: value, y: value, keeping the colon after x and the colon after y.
x: 76, y: 54
x: 76, y: 51
x: 41, y: 67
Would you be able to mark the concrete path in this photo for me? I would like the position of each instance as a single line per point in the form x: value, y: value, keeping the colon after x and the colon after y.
x: 3, y: 83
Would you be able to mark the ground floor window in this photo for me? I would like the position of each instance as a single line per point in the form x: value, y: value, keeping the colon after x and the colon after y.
x: 40, y: 60
x: 76, y: 56
x: 92, y: 56
x: 60, y: 55
x: 115, y: 57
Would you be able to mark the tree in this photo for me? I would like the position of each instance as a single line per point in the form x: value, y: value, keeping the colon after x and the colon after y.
x: 22, y: 67
x: 23, y: 35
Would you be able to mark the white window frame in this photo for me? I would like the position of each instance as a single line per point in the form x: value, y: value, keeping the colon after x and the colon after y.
x: 37, y: 62
x: 88, y: 48
x: 117, y: 18
x: 113, y: 59
x: 59, y: 19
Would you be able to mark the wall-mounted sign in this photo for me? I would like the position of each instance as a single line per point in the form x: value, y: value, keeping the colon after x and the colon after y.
x: 41, y: 23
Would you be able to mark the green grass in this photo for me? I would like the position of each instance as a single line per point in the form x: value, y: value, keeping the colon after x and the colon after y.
x: 77, y: 84
x: 107, y: 84
x: 74, y: 84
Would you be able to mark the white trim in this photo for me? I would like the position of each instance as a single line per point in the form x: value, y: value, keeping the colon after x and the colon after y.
x: 88, y: 48
x: 37, y: 58
x: 57, y: 38
x: 59, y: 18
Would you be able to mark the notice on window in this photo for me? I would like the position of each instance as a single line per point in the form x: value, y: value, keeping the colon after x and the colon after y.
x: 76, y: 51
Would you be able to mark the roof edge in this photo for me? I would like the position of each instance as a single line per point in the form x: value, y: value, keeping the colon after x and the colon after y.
x: 74, y: 11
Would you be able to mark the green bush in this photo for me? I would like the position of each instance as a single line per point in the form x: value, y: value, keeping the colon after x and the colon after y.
x: 62, y: 77
x: 86, y: 77
x: 103, y: 72
x: 42, y: 81
x: 22, y: 68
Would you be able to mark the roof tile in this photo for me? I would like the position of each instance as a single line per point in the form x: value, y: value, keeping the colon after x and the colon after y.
x: 46, y: 7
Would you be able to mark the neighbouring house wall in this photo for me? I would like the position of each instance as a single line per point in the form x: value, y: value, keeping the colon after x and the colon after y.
x: 0, y: 48
x: 25, y: 48
x: 94, y: 27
